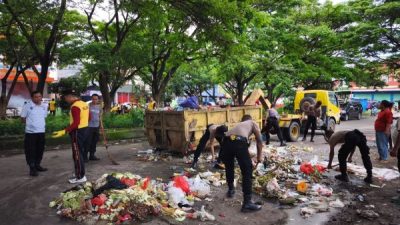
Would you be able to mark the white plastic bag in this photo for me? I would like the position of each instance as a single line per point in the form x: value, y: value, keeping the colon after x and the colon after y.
x: 176, y: 196
x: 199, y: 186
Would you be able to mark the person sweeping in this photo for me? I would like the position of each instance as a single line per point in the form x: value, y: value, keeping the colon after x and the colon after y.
x: 79, y: 121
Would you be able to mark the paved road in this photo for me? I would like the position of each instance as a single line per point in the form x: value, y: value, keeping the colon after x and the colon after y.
x: 24, y: 200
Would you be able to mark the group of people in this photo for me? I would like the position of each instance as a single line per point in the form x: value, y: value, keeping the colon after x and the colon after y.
x: 85, y: 123
x: 235, y: 142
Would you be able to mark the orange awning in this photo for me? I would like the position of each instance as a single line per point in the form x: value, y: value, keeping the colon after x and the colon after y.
x: 30, y: 74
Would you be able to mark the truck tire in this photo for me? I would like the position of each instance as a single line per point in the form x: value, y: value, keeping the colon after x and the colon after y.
x: 292, y: 133
x: 331, y: 124
x: 305, y: 101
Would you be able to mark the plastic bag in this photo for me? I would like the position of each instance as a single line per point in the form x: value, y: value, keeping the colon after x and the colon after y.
x: 128, y: 182
x: 99, y: 200
x: 182, y: 183
x: 200, y: 187
x: 145, y: 183
x: 176, y: 196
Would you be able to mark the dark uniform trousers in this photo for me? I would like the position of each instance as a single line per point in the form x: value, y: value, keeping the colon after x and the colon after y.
x: 351, y: 140
x: 93, y: 135
x: 273, y: 122
x: 311, y: 122
x: 239, y: 150
x: 202, y: 145
x: 34, y: 148
x: 78, y: 150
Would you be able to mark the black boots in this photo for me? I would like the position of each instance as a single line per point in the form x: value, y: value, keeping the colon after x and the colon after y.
x: 368, y: 179
x: 40, y: 169
x: 93, y: 158
x: 248, y: 205
x: 283, y: 144
x: 33, y: 172
x: 230, y: 193
x: 342, y: 177
x: 194, y: 164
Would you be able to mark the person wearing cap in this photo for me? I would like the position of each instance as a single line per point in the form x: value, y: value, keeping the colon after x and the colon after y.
x: 235, y: 145
x: 79, y: 121
x: 351, y: 140
x: 212, y: 132
x: 273, y: 122
x: 382, y: 129
x: 93, y: 130
x: 34, y: 115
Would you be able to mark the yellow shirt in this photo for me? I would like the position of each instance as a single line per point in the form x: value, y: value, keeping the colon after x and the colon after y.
x: 52, y: 105
x: 84, y: 114
x: 152, y: 105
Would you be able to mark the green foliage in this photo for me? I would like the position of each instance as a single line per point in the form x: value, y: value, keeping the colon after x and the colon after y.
x: 135, y: 118
x: 11, y: 127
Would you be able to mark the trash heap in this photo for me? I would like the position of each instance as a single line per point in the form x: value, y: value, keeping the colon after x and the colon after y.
x: 120, y: 197
x: 285, y: 176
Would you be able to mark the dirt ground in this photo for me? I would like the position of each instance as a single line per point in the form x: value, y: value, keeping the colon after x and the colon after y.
x: 24, y: 200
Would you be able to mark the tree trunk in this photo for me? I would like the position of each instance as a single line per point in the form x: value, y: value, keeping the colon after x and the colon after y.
x: 42, y: 77
x: 3, y: 96
x: 105, y: 92
x: 240, y: 92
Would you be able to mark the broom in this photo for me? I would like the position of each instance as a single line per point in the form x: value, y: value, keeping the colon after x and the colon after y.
x: 106, y: 144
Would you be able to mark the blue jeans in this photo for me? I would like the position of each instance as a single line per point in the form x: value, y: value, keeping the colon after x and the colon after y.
x: 382, y: 142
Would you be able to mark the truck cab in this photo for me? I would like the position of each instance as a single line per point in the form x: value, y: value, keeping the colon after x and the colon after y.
x: 330, y: 109
x: 292, y: 124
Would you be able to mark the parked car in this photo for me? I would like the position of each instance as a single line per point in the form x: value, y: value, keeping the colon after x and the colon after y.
x: 351, y: 110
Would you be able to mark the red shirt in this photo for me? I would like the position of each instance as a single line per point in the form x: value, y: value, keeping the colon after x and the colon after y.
x: 384, y: 117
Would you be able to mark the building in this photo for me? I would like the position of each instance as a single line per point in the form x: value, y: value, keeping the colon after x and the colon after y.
x: 21, y: 92
x: 390, y: 92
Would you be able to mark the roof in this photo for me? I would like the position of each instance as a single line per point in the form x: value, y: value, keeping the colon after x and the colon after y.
x: 30, y: 74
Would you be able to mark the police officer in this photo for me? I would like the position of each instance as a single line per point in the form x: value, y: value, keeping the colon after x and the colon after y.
x: 212, y: 132
x: 79, y: 120
x: 351, y: 140
x: 34, y: 115
x: 313, y: 113
x: 273, y: 122
x: 235, y: 145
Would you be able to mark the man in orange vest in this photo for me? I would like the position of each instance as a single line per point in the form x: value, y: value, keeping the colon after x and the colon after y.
x: 79, y: 120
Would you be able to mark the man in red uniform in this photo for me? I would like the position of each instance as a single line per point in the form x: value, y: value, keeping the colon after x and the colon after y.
x: 79, y: 120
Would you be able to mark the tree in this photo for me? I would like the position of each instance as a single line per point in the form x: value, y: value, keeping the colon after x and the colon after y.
x: 183, y: 31
x: 33, y: 19
x: 193, y: 78
x: 15, y: 52
x: 375, y: 31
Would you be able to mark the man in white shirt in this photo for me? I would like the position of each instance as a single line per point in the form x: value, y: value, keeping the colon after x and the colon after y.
x: 34, y: 115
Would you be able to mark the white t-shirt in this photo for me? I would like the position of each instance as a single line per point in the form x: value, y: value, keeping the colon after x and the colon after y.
x: 35, y: 116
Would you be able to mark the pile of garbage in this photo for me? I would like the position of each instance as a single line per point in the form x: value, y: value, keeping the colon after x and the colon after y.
x: 120, y: 197
x: 286, y: 177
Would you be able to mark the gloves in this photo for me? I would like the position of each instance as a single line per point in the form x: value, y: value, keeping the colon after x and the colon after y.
x: 58, y: 134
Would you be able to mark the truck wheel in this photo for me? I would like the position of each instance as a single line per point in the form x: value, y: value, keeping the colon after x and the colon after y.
x: 305, y: 103
x: 292, y: 133
x: 331, y: 124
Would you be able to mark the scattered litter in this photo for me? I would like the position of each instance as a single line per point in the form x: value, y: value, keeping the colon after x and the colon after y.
x: 380, y: 173
x: 336, y: 204
x: 368, y: 214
